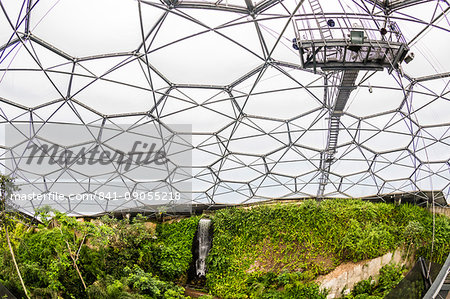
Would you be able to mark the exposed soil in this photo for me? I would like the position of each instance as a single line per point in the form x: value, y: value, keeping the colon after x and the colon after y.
x: 195, y: 293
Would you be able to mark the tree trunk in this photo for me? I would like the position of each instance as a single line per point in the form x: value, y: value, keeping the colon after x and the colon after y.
x: 74, y: 259
x: 15, y: 263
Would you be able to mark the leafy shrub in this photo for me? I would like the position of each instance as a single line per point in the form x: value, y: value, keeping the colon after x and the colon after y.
x: 146, y: 283
x: 311, y: 238
x: 390, y: 276
x: 413, y: 232
x: 172, y: 254
x: 102, y: 250
x: 366, y: 242
x: 263, y: 252
x: 362, y: 287
x: 305, y: 290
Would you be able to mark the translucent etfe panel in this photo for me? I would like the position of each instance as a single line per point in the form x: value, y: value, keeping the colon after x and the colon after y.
x: 283, y: 104
x: 216, y: 19
x: 432, y: 176
x: 249, y: 139
x: 231, y: 2
x: 23, y: 81
x: 272, y: 29
x: 130, y: 70
x: 395, y: 165
x: 257, y: 123
x: 431, y: 144
x: 105, y: 26
x: 359, y: 185
x: 428, y: 58
x: 396, y: 133
x: 226, y: 192
x: 281, y: 94
x: 308, y: 184
x: 291, y: 162
x: 112, y: 159
x: 310, y: 130
x: 365, y: 101
x: 350, y: 160
x: 212, y: 59
x: 181, y: 107
x: 244, y: 33
x: 110, y: 98
x: 232, y: 168
x: 9, y: 112
x: 203, y: 157
x: 54, y: 67
x: 202, y: 96
x: 429, y: 109
x: 273, y: 186
x: 12, y: 19
x: 108, y: 95
x: 207, y: 153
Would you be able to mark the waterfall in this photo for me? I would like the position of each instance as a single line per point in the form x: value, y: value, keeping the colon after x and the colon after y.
x: 204, y: 245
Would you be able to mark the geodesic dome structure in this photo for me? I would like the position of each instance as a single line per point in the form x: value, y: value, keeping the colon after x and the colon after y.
x: 222, y: 87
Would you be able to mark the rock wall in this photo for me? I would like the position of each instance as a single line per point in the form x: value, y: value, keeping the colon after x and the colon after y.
x: 342, y: 279
x: 441, y: 210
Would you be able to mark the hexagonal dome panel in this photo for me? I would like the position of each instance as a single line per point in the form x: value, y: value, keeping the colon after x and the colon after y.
x: 157, y: 106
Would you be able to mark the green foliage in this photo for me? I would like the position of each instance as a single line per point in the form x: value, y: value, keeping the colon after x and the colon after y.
x: 263, y: 252
x: 109, y: 288
x: 367, y: 242
x: 172, y: 253
x: 148, y: 284
x: 413, y: 232
x: 311, y: 238
x: 366, y: 286
x: 390, y: 276
x: 284, y: 285
x: 102, y: 250
x: 304, y: 290
x: 44, y: 215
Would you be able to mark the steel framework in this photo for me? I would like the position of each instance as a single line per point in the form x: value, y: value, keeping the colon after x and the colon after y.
x: 265, y: 117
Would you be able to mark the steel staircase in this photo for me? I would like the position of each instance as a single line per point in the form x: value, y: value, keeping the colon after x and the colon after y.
x: 346, y: 86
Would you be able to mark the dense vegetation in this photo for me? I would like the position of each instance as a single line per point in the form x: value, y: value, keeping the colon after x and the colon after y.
x: 269, y: 251
x: 390, y: 275
x: 108, y: 258
x: 293, y: 244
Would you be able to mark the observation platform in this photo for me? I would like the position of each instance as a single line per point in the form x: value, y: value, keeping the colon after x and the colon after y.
x: 337, y: 42
x: 343, y: 45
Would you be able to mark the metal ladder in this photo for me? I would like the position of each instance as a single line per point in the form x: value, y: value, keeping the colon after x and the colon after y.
x: 327, y: 156
x: 324, y: 29
x: 317, y: 10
